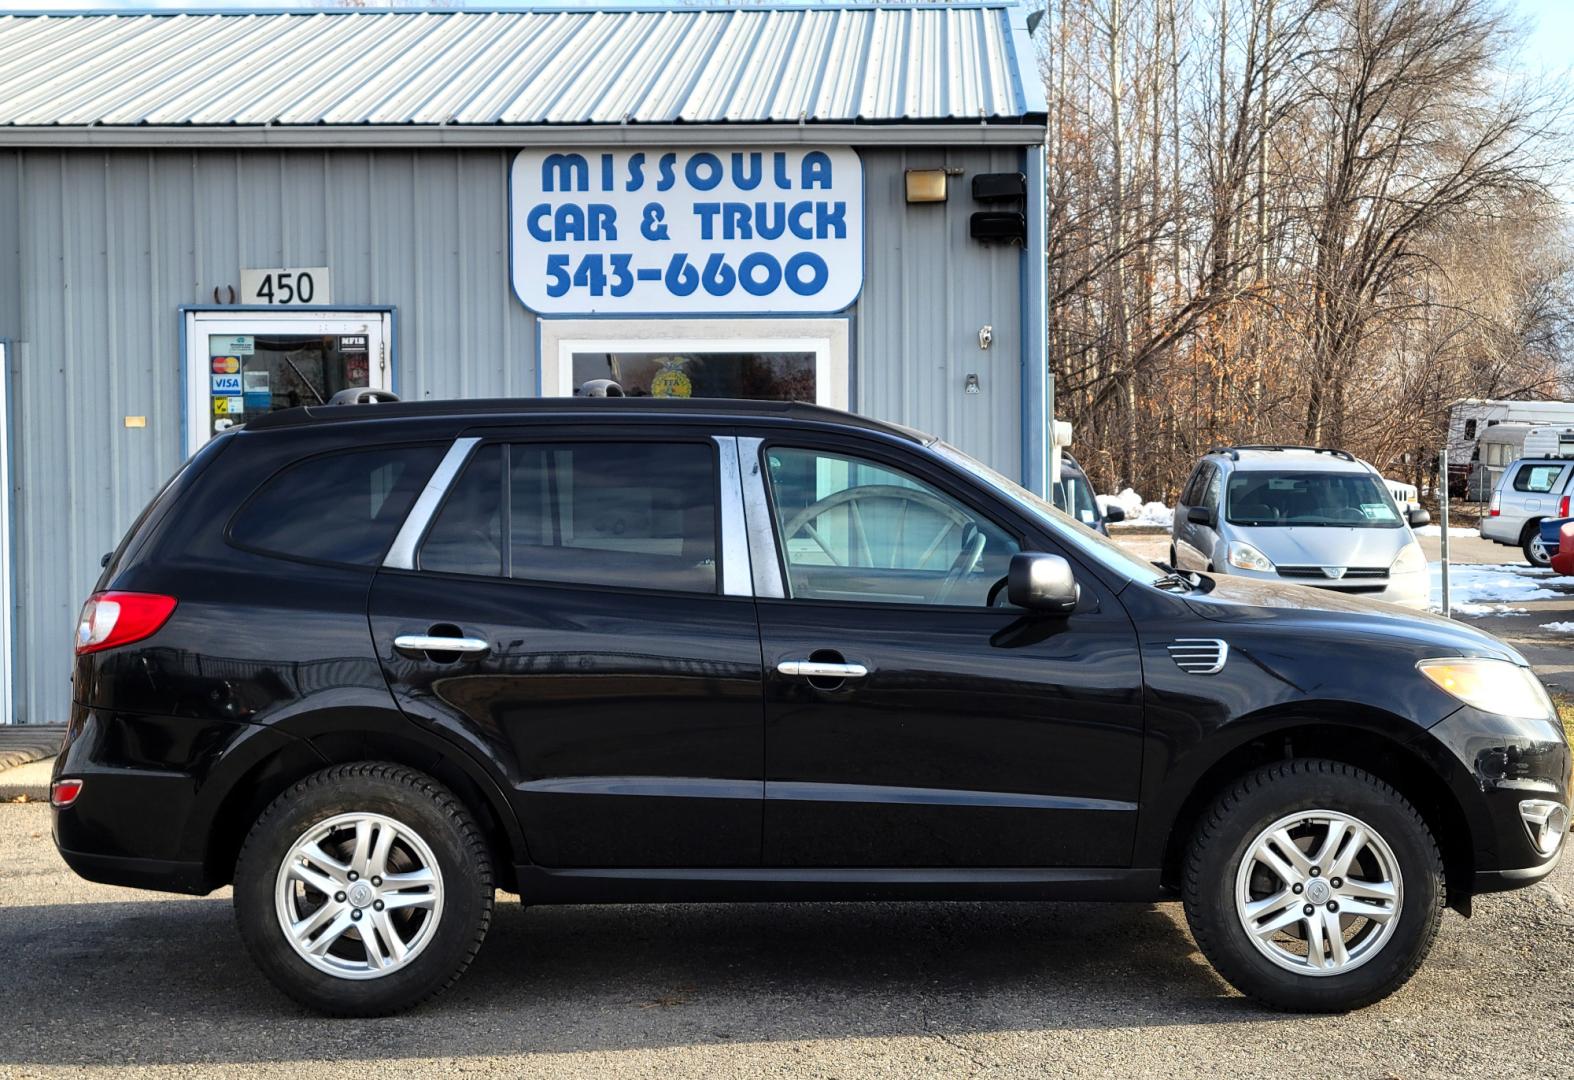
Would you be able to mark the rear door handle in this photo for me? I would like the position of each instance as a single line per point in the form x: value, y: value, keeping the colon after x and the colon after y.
x: 817, y: 669
x: 436, y: 643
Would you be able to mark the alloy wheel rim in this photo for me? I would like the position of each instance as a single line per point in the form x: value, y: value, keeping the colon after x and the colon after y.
x: 1538, y: 552
x: 1319, y: 892
x: 359, y: 896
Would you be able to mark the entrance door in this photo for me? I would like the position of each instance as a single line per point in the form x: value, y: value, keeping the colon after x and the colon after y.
x: 241, y: 364
x: 7, y: 715
x: 909, y: 720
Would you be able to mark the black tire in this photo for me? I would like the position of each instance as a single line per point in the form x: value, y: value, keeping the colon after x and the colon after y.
x: 413, y: 800
x: 1251, y: 805
x: 1530, y: 544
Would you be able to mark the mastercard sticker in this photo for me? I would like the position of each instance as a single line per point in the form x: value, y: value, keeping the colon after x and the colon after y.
x: 226, y: 365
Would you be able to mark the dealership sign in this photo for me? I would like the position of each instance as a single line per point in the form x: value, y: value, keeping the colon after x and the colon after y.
x: 656, y: 232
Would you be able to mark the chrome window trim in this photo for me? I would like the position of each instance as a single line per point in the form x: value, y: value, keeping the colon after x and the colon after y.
x: 401, y: 556
x: 736, y: 577
x: 763, y: 559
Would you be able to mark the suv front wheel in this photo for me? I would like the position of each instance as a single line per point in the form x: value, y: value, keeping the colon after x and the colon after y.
x: 364, y: 889
x: 1314, y: 886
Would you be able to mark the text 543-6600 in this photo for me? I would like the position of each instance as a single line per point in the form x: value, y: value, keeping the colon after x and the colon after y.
x: 759, y: 273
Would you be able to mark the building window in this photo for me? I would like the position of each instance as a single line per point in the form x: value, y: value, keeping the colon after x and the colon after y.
x: 759, y: 359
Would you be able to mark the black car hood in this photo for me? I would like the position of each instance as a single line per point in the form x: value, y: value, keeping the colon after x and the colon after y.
x: 1235, y: 599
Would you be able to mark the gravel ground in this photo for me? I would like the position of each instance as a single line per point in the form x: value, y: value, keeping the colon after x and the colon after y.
x: 99, y: 978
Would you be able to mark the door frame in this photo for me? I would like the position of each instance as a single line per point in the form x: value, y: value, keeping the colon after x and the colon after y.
x: 7, y: 611
x: 376, y: 320
x: 828, y: 339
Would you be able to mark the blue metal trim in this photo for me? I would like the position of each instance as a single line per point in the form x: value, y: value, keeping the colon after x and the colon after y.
x: 8, y: 350
x: 1037, y: 390
x: 1031, y: 97
x: 863, y: 264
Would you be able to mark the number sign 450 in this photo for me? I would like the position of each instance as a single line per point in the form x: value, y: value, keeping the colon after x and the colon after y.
x: 285, y: 285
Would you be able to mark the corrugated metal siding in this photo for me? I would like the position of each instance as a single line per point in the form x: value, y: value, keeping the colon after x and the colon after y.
x: 108, y: 246
x: 928, y: 62
x: 928, y: 289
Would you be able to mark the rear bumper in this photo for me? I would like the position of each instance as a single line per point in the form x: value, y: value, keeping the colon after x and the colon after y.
x: 154, y: 790
x: 165, y: 875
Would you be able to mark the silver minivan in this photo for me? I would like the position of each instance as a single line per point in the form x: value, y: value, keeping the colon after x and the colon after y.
x: 1529, y: 490
x: 1300, y: 515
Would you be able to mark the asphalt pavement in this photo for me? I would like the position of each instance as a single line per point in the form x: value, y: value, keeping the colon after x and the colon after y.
x: 100, y: 979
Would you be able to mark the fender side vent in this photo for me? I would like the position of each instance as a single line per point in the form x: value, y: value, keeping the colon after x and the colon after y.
x: 1199, y: 656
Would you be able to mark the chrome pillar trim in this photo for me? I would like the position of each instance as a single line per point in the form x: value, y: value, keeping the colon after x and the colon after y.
x: 736, y: 577
x: 763, y: 558
x: 401, y: 556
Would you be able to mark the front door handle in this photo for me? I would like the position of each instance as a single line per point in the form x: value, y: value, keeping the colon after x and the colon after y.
x: 436, y: 643
x: 818, y: 669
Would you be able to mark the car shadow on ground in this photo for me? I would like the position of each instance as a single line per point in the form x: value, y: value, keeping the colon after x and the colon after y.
x: 168, y: 982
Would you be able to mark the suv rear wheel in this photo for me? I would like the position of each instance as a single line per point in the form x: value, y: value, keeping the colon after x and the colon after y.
x: 364, y: 889
x: 1314, y: 886
x: 1535, y: 551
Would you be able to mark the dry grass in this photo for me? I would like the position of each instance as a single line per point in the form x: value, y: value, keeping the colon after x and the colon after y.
x: 1565, y: 707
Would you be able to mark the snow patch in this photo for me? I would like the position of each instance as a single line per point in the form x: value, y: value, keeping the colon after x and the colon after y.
x: 1137, y: 511
x: 1490, y: 588
x: 1558, y: 627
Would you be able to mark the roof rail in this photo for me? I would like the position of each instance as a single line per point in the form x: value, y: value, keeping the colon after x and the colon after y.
x: 1234, y: 451
x: 362, y: 395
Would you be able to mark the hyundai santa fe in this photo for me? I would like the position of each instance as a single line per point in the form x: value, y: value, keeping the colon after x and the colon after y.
x: 372, y: 663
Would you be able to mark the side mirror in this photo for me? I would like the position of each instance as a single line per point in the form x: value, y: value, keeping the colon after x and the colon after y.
x: 1114, y: 514
x: 1042, y: 582
x: 1418, y: 517
x: 1201, y: 515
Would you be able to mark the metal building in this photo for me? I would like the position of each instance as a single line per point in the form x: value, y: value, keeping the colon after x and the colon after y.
x: 208, y: 215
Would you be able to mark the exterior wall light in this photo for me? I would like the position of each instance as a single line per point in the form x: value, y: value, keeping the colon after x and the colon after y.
x: 926, y: 185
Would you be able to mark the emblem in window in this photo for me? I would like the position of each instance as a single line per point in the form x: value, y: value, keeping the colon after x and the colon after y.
x: 1199, y: 656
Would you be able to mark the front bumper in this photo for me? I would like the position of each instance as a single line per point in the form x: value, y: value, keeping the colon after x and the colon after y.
x: 1411, y: 589
x: 1499, y: 762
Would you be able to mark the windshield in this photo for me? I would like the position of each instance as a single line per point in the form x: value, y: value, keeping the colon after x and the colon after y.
x: 1302, y: 499
x: 1064, y: 527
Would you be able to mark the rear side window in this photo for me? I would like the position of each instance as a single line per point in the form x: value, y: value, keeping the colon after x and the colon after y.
x: 1538, y: 478
x: 338, y: 508
x: 630, y: 515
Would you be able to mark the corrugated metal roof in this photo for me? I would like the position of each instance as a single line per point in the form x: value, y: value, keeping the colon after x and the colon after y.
x: 899, y: 63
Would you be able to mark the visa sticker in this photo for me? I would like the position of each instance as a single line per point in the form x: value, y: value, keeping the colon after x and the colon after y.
x: 225, y: 384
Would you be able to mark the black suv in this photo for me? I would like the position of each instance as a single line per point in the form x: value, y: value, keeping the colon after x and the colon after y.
x: 371, y: 662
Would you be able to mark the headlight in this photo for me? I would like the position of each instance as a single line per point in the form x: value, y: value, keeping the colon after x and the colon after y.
x: 1409, y: 560
x: 1248, y: 558
x: 1494, y: 686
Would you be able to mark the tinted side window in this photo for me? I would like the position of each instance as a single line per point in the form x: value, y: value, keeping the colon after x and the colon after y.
x: 857, y: 530
x: 1210, y: 488
x: 633, y: 515
x: 1538, y: 478
x: 1190, y: 496
x: 341, y: 508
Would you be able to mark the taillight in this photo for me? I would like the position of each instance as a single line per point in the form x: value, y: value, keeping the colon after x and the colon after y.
x: 1563, y: 506
x: 119, y: 618
x: 62, y: 793
x: 1494, y: 509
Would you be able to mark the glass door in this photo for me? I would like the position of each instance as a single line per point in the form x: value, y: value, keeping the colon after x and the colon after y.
x: 240, y: 365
